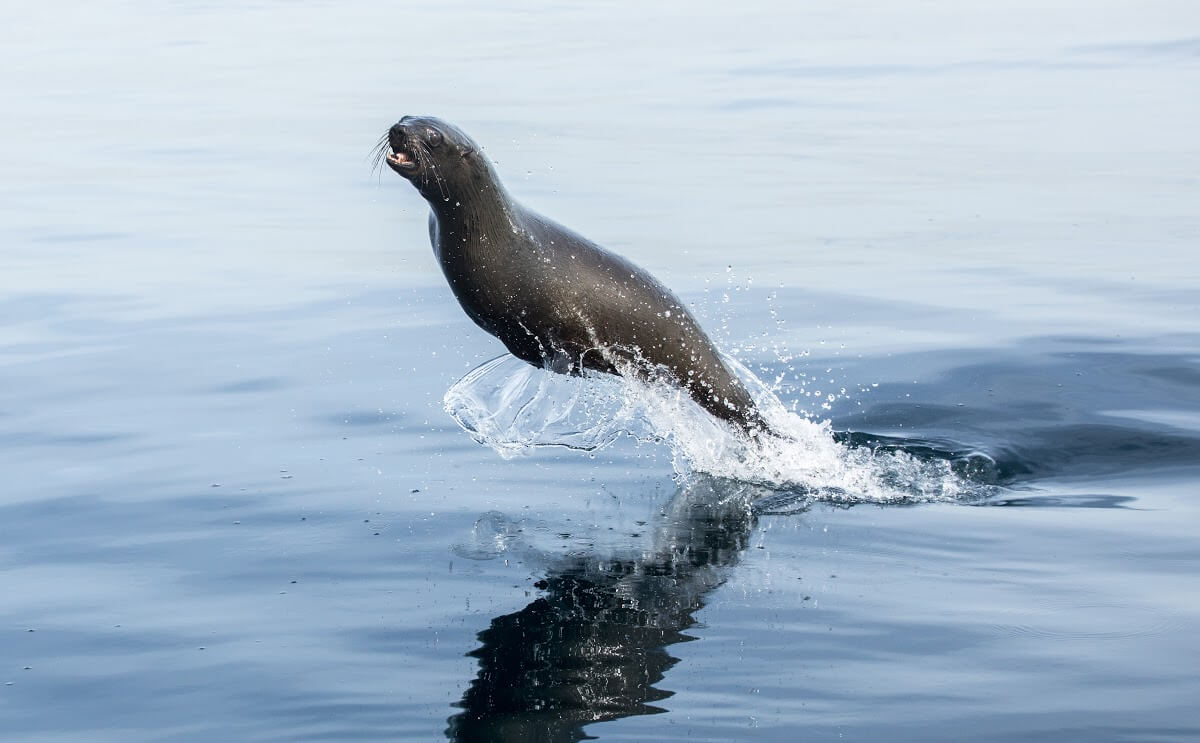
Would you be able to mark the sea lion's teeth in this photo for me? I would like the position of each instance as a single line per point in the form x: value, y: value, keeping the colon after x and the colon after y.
x: 400, y: 157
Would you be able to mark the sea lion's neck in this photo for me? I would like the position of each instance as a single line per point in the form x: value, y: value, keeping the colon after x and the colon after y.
x: 482, y: 217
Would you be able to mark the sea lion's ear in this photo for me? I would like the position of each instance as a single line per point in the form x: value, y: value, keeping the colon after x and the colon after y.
x: 464, y: 151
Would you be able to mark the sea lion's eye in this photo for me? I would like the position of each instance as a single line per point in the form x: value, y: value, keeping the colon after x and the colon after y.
x: 435, y: 138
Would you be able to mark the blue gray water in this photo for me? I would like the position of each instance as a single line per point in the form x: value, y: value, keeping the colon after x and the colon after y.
x: 234, y: 507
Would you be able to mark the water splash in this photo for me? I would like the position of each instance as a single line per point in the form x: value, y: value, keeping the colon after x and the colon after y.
x: 516, y: 408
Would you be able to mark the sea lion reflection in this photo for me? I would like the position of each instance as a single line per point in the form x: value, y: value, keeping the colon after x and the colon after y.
x: 593, y: 647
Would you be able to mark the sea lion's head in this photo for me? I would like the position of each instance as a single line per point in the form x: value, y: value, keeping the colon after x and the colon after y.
x: 439, y: 159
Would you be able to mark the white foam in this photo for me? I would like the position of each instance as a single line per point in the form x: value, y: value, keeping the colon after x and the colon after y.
x: 516, y: 408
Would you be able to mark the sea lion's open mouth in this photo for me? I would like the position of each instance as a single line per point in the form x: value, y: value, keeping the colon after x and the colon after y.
x: 401, y: 159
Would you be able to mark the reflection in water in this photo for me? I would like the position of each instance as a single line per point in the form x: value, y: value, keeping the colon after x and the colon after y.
x: 593, y: 647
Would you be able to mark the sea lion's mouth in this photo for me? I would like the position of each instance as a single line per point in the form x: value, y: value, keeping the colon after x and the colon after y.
x: 401, y: 159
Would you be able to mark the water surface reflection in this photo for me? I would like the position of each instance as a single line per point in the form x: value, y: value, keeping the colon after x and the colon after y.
x: 595, y: 645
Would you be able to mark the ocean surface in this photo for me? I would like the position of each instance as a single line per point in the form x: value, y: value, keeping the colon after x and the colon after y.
x: 235, y: 505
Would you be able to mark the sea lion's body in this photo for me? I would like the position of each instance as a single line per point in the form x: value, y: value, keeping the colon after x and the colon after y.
x: 554, y: 298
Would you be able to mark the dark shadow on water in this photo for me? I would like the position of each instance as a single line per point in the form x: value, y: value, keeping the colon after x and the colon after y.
x: 1064, y: 501
x: 1064, y: 451
x: 966, y: 462
x: 251, y: 386
x: 365, y: 418
x: 593, y: 647
x: 1013, y: 417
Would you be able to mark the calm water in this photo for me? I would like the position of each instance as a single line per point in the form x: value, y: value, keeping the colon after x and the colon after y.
x: 234, y: 508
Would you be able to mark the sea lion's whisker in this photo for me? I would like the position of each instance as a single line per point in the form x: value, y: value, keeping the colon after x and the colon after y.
x: 432, y: 162
x: 379, y: 146
x: 378, y: 153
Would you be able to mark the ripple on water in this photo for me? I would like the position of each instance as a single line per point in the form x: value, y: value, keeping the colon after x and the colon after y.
x: 1085, y: 620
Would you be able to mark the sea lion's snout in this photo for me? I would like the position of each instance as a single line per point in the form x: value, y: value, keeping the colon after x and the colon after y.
x: 401, y: 158
x: 399, y: 131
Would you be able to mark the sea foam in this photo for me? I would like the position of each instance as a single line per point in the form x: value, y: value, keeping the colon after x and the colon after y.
x: 516, y: 408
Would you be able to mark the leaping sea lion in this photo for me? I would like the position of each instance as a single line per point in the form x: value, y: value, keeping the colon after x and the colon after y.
x: 554, y: 298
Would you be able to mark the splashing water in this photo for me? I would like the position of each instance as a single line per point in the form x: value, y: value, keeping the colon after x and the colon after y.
x: 516, y: 408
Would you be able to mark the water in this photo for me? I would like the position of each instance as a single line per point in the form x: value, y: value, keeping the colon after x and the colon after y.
x: 516, y: 409
x: 235, y: 507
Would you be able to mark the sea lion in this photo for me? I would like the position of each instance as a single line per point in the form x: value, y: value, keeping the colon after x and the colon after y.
x: 554, y: 298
